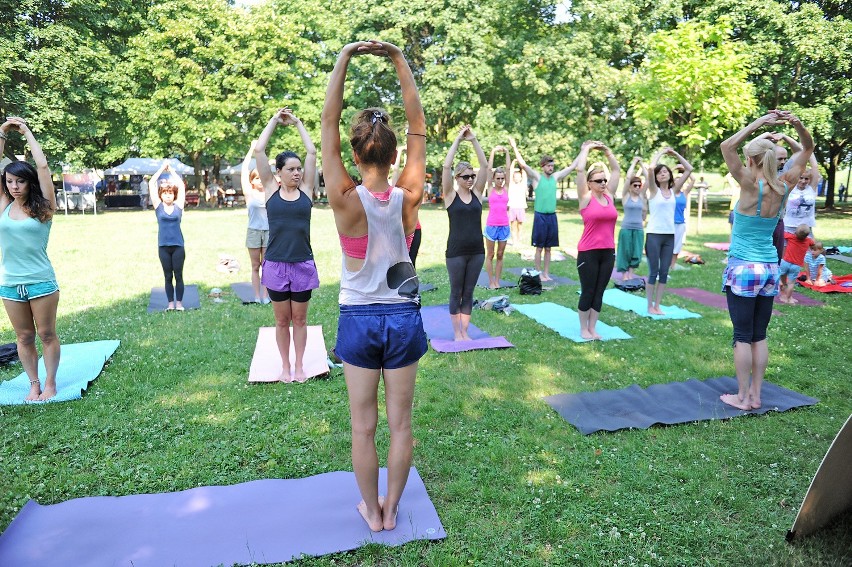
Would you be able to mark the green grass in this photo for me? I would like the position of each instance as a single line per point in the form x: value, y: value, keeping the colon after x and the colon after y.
x: 512, y: 482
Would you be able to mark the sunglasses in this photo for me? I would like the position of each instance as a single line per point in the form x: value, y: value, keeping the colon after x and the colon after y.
x: 601, y: 181
x: 468, y: 177
x: 636, y: 185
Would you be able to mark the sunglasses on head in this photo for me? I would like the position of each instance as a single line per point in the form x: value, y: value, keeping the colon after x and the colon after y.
x: 468, y: 177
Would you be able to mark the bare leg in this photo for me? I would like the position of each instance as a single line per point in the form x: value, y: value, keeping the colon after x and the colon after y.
x: 593, y: 321
x: 21, y: 317
x: 457, y: 332
x: 545, y: 276
x: 44, y: 313
x: 584, y: 325
x: 498, y: 270
x: 283, y: 316
x: 362, y: 385
x: 256, y: 260
x: 538, y: 259
x: 743, y: 364
x: 300, y: 337
x: 489, y: 263
x: 650, y: 294
x: 674, y: 261
x: 399, y: 397
x: 658, y: 297
x: 759, y: 361
x: 464, y: 323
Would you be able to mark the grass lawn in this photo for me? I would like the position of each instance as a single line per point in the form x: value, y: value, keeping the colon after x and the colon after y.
x: 512, y: 482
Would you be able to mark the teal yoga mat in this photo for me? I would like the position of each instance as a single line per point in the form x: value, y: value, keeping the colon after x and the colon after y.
x: 79, y: 364
x: 566, y: 322
x: 639, y: 305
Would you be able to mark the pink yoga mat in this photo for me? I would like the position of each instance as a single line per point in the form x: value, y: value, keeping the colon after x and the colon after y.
x: 263, y: 521
x: 705, y: 297
x: 266, y: 362
x: 723, y: 246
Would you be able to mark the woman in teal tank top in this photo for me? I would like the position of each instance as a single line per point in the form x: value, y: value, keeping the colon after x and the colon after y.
x: 27, y: 281
x: 751, y: 276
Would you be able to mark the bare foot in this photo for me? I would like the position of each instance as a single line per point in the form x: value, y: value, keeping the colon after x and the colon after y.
x: 754, y: 402
x: 389, y: 518
x: 587, y: 335
x: 546, y: 278
x: 493, y: 286
x: 300, y: 376
x: 373, y: 522
x: 792, y: 301
x: 736, y: 401
x: 47, y: 393
x: 286, y: 375
x: 35, y: 391
x: 783, y: 300
x: 465, y: 337
x: 596, y: 336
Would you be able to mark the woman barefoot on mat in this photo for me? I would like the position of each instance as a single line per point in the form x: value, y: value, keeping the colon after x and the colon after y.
x: 257, y: 235
x: 660, y: 232
x: 465, y: 252
x: 751, y: 277
x: 497, y: 224
x: 168, y: 195
x: 289, y: 271
x: 378, y: 286
x: 631, y: 236
x: 596, y: 249
x: 27, y: 281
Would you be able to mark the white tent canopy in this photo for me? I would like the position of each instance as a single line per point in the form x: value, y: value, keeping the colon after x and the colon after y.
x: 148, y: 166
x: 237, y: 169
x: 4, y: 162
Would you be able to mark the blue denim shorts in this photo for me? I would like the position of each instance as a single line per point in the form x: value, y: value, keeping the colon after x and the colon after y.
x: 380, y: 335
x: 789, y: 269
x: 26, y: 292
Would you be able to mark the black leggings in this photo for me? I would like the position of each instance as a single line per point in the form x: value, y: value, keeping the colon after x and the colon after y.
x: 463, y: 271
x: 172, y: 258
x: 415, y: 246
x: 659, y: 249
x: 750, y: 316
x: 595, y: 269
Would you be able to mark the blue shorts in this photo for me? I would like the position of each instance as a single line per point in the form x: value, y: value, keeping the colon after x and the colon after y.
x: 26, y: 292
x: 545, y: 232
x: 789, y: 270
x: 380, y: 335
x: 496, y: 233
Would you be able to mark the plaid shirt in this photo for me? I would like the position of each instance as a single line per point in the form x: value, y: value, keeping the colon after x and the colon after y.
x: 750, y: 279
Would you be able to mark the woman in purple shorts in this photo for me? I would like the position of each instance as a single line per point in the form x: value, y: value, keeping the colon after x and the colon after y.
x: 289, y: 271
x: 27, y: 280
x: 751, y: 277
x: 497, y: 224
x: 380, y: 331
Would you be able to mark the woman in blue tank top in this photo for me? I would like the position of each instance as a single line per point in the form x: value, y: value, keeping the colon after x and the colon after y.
x: 289, y: 272
x: 380, y: 331
x: 751, y: 277
x: 168, y: 196
x: 27, y: 281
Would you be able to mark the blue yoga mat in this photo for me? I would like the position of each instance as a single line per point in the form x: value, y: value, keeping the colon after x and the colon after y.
x: 639, y: 305
x: 257, y: 522
x: 566, y: 322
x: 674, y: 402
x: 79, y: 364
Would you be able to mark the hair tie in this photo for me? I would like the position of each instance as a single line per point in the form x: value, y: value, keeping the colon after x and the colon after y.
x: 376, y: 116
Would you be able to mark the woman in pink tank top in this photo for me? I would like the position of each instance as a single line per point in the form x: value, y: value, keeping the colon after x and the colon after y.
x: 497, y: 224
x: 596, y: 249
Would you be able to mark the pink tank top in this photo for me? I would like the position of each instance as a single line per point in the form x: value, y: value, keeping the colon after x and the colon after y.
x: 498, y: 208
x: 356, y: 246
x: 598, y: 225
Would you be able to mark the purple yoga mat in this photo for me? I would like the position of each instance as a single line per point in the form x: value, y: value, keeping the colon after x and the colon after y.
x: 705, y: 297
x: 439, y: 329
x: 264, y: 521
x: 803, y: 300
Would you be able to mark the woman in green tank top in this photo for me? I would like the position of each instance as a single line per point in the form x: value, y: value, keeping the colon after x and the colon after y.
x: 27, y: 281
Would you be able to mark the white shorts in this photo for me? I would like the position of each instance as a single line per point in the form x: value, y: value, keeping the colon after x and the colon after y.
x: 680, y: 237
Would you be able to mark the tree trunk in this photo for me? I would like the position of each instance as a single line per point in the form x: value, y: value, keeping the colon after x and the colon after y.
x: 833, y: 161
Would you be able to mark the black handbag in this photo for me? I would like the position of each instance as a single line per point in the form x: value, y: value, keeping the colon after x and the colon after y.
x: 529, y: 284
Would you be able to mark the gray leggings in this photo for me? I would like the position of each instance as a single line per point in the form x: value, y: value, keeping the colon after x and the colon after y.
x: 463, y: 272
x: 659, y: 248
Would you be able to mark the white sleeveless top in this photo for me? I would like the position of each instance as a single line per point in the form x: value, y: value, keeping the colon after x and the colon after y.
x: 661, y: 213
x: 387, y: 276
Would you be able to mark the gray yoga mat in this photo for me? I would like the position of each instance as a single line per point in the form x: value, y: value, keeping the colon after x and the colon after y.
x: 555, y: 280
x: 263, y: 521
x: 840, y: 258
x: 674, y: 402
x: 244, y: 291
x: 482, y: 281
x: 158, y: 301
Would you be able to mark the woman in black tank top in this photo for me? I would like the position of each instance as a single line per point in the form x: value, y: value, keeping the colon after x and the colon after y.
x: 465, y: 251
